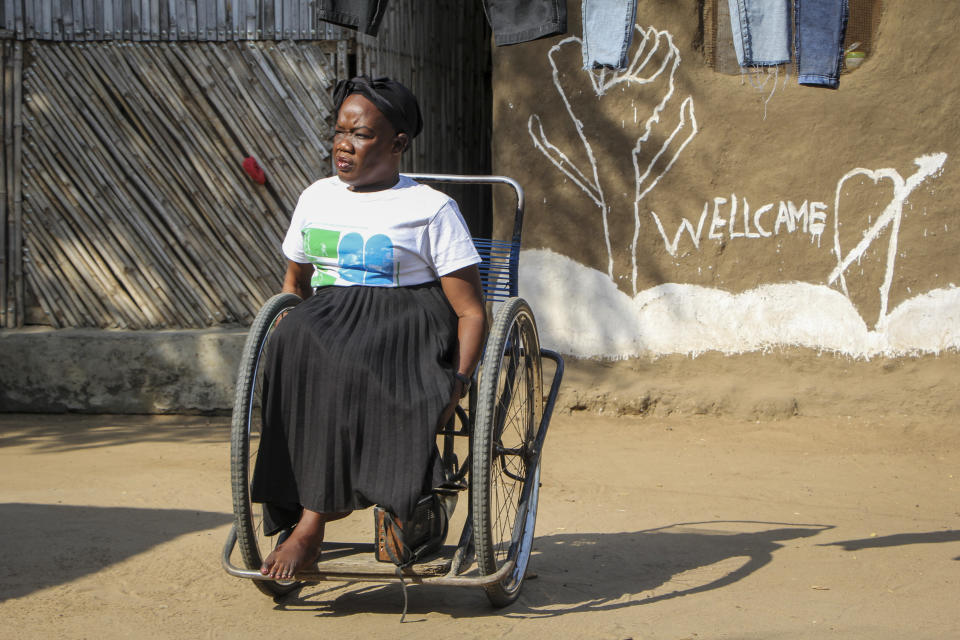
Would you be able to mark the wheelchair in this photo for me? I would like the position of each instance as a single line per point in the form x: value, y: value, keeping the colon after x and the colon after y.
x: 504, y: 424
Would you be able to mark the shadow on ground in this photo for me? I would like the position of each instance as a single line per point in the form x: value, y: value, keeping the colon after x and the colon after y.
x: 591, y: 572
x: 897, y: 540
x: 45, y: 545
x: 72, y: 432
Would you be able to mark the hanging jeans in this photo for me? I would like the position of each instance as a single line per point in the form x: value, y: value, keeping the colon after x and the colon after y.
x: 607, y: 32
x: 821, y: 26
x: 512, y: 21
x: 515, y: 21
x: 761, y: 31
x: 761, y: 36
x: 362, y: 15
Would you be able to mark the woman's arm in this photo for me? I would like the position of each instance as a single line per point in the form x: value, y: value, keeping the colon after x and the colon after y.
x: 462, y: 288
x: 297, y: 279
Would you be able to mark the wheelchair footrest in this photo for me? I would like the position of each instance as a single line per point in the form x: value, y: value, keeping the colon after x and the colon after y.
x: 357, y: 560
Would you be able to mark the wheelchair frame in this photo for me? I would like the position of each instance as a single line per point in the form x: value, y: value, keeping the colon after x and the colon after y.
x: 506, y: 422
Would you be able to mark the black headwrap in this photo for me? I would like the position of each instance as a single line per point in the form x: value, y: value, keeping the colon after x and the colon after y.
x: 394, y: 101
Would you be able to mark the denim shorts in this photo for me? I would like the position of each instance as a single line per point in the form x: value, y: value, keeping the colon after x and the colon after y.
x: 362, y: 15
x: 515, y: 21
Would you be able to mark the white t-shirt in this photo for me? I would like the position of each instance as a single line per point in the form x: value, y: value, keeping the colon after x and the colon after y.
x: 402, y: 236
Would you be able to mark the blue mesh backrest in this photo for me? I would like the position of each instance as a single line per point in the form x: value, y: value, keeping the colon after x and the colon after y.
x: 498, y: 269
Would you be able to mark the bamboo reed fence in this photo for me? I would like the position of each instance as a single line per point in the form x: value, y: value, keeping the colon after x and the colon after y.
x: 125, y: 204
x: 138, y: 212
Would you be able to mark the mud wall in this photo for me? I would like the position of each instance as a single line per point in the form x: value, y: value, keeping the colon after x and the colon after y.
x: 673, y: 209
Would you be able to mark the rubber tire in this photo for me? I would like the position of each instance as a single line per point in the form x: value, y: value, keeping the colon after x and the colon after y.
x: 500, y: 519
x: 244, y: 438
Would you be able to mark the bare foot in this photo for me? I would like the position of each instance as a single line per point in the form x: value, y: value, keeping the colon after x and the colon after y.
x: 291, y: 556
x: 300, y: 550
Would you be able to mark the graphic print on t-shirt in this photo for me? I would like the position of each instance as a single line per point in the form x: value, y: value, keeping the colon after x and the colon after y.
x: 378, y: 261
x: 350, y: 257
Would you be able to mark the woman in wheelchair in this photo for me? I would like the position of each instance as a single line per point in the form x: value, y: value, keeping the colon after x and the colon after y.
x: 361, y: 374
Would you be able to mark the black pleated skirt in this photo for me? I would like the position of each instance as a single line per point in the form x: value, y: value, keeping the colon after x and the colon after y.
x: 354, y: 384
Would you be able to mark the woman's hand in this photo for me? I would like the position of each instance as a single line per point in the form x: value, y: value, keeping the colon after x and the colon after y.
x: 457, y: 394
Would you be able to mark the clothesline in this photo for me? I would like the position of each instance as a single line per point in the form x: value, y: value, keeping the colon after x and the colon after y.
x: 761, y: 30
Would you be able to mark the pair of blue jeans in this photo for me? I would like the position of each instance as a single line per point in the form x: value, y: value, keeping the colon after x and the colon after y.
x: 761, y: 36
x: 607, y: 32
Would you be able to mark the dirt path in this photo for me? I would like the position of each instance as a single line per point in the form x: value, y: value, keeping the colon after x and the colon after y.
x: 657, y: 527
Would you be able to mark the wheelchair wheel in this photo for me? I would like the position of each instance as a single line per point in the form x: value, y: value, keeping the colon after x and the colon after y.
x: 504, y: 489
x: 245, y: 440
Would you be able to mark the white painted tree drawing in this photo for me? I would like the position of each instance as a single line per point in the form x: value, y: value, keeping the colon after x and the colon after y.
x: 651, y: 137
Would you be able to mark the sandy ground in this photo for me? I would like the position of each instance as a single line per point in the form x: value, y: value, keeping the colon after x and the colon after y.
x: 699, y: 517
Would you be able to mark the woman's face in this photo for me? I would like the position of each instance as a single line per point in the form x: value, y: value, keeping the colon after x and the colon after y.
x: 366, y: 149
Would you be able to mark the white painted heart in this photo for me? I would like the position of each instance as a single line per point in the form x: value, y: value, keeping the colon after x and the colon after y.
x: 927, y: 165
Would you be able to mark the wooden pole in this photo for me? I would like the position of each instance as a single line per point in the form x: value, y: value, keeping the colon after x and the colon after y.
x: 16, y: 246
x: 5, y: 176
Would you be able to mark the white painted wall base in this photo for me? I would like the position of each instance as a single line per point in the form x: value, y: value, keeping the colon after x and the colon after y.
x: 581, y: 312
